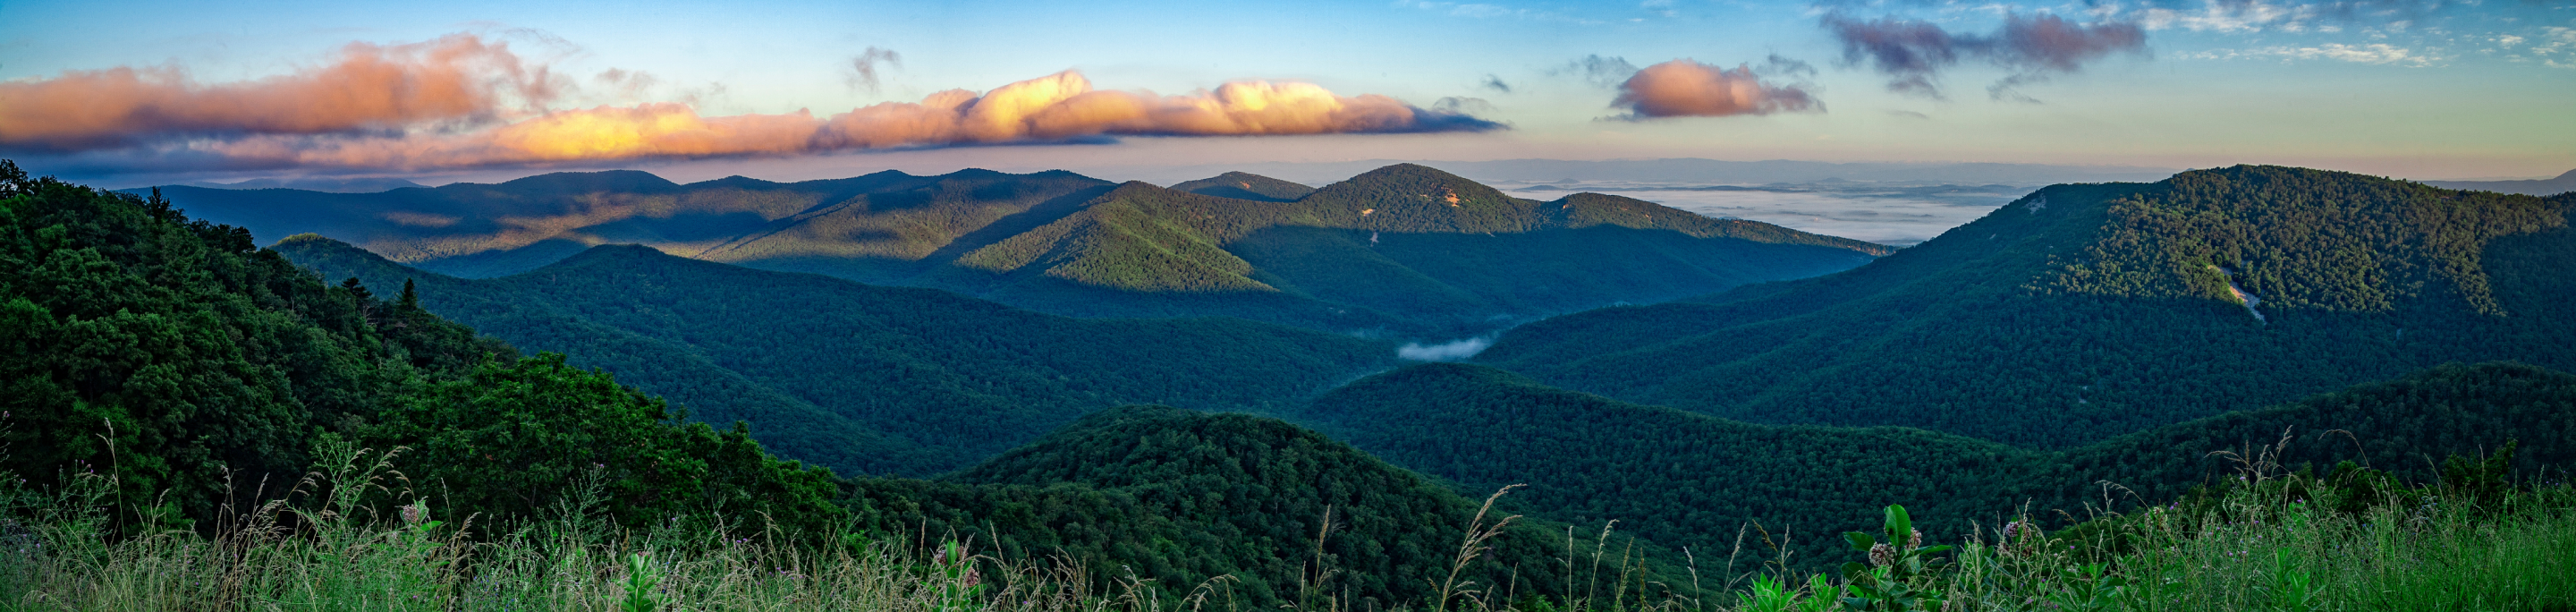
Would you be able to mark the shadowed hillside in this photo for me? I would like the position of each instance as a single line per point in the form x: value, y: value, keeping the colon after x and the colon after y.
x: 1685, y: 479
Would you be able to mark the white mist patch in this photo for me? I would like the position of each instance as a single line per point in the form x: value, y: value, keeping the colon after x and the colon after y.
x: 1445, y: 351
x: 1858, y: 213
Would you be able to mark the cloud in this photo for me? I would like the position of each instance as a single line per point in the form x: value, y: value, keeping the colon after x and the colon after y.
x: 1598, y: 70
x: 1685, y: 88
x: 1495, y: 82
x: 1462, y: 105
x: 1784, y: 67
x: 629, y: 84
x: 863, y: 69
x: 457, y: 78
x: 437, y: 105
x: 2380, y: 54
x: 1912, y: 53
x: 2284, y: 15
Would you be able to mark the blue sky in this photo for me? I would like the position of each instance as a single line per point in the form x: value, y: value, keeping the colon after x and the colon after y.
x: 2425, y: 90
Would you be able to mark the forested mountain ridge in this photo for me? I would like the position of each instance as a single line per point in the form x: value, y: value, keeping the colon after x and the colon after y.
x: 1404, y: 249
x: 864, y: 379
x: 1403, y: 243
x: 2083, y: 312
x: 485, y: 230
x: 1686, y: 479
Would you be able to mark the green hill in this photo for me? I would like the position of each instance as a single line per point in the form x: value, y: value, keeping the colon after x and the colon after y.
x: 1404, y: 249
x: 1245, y: 186
x: 864, y: 379
x: 1686, y: 479
x: 2083, y: 312
x: 1178, y: 497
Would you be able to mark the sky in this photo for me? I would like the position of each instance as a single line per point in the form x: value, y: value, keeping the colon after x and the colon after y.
x: 135, y: 92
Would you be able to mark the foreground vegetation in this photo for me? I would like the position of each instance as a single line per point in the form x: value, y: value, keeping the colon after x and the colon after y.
x: 351, y: 537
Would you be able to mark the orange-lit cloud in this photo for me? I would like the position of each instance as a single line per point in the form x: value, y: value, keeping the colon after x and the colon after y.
x: 400, y: 108
x: 1685, y: 88
x: 368, y: 87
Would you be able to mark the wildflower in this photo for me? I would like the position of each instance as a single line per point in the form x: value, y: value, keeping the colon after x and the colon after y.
x: 412, y: 514
x: 1913, y: 540
x: 1880, y: 554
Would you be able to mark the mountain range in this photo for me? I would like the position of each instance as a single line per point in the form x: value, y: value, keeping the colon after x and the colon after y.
x: 2087, y: 348
x: 1405, y: 249
x: 2562, y: 183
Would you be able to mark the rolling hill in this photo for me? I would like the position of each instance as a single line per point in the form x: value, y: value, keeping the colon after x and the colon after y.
x: 1405, y: 249
x: 860, y: 378
x: 1687, y: 479
x: 2082, y: 312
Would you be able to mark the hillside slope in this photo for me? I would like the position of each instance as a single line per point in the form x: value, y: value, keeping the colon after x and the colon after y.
x: 2086, y: 311
x: 864, y: 379
x: 1685, y: 479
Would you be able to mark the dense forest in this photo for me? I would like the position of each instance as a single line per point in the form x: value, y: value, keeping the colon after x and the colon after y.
x: 1686, y: 479
x: 194, y: 369
x: 860, y: 378
x: 2083, y: 312
x: 1404, y: 250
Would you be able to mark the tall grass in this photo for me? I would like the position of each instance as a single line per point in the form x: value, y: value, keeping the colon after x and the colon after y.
x: 351, y: 537
x: 322, y: 548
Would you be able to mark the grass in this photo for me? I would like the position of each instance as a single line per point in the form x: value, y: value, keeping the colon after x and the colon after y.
x: 350, y: 537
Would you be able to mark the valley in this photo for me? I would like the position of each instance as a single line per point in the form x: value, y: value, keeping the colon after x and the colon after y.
x: 2097, y: 364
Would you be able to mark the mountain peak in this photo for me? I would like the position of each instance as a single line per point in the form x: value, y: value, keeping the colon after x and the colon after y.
x: 1246, y: 186
x: 1418, y: 198
x: 569, y: 183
